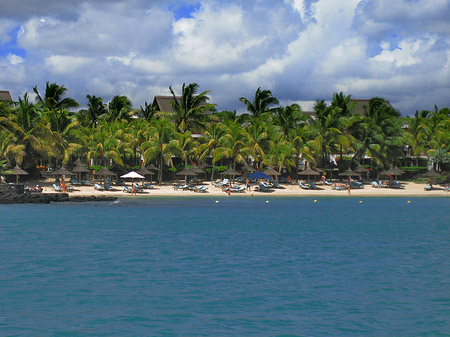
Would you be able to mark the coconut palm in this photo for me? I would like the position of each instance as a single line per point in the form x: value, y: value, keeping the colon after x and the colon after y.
x: 210, y: 142
x: 55, y: 97
x: 192, y: 109
x: 161, y: 144
x: 258, y: 137
x: 261, y: 103
x: 119, y: 108
x: 92, y: 115
x: 104, y: 147
x: 233, y: 145
x: 147, y: 112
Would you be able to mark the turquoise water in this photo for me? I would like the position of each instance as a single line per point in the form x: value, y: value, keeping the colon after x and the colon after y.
x: 240, y: 267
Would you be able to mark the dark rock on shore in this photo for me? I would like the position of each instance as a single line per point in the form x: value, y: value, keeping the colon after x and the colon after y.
x: 15, y: 194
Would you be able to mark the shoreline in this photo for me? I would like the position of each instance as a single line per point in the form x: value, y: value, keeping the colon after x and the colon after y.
x: 293, y: 190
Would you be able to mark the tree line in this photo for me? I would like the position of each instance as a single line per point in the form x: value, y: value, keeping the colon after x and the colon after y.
x: 48, y: 132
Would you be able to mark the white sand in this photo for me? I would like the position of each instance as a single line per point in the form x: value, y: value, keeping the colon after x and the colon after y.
x: 410, y: 189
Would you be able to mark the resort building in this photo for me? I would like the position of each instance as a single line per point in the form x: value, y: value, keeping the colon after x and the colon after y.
x: 5, y: 96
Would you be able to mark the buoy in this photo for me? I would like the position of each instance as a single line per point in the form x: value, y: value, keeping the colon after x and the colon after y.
x: 217, y: 201
x: 360, y: 201
x: 267, y: 201
x: 409, y: 201
x: 315, y: 200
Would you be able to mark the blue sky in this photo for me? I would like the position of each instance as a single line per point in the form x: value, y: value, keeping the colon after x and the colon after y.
x: 302, y: 50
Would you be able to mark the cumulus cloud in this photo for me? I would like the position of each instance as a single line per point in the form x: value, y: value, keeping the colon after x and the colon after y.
x: 300, y: 49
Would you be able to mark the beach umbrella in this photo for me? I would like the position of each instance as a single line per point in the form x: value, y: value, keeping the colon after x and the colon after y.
x: 361, y: 169
x: 62, y: 172
x: 230, y: 172
x: 17, y: 171
x: 247, y: 168
x: 349, y: 173
x: 308, y: 172
x: 143, y: 171
x: 152, y: 167
x: 393, y: 172
x: 318, y: 170
x: 104, y: 172
x: 271, y: 172
x: 132, y: 175
x: 197, y: 169
x: 431, y: 173
x: 258, y: 175
x: 80, y: 168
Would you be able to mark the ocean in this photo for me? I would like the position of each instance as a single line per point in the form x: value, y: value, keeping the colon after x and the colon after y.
x: 228, y: 266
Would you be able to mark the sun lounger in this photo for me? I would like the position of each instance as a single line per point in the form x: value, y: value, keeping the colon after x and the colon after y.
x: 356, y: 185
x: 221, y: 183
x: 314, y: 187
x: 263, y: 188
x: 56, y: 188
x: 200, y: 189
x: 148, y: 186
x: 139, y: 188
x: 99, y: 187
x: 375, y: 184
x: 85, y: 183
x: 108, y: 187
x: 276, y: 185
x: 396, y: 184
x: 428, y: 187
x: 180, y: 187
x: 304, y: 186
x: 339, y: 187
x: 75, y: 182
x: 127, y: 189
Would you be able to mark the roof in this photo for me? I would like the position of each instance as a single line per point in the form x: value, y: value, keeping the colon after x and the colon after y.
x: 5, y: 96
x: 360, y: 104
x: 162, y: 103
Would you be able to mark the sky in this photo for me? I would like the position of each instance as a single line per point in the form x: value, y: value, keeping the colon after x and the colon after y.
x: 301, y: 50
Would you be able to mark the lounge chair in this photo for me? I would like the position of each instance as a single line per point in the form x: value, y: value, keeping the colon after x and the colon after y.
x: 99, y: 187
x: 339, y: 187
x: 304, y: 186
x: 180, y: 187
x: 396, y: 184
x: 375, y: 184
x: 234, y: 189
x: 139, y: 188
x: 201, y: 189
x: 56, y: 188
x: 148, y: 186
x: 356, y: 185
x: 75, y: 182
x: 263, y: 188
x: 428, y: 187
x: 127, y: 189
x: 85, y: 183
x: 221, y: 183
x: 108, y: 187
x: 276, y: 185
x: 314, y: 187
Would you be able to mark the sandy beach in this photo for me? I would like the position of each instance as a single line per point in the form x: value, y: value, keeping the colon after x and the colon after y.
x: 410, y: 189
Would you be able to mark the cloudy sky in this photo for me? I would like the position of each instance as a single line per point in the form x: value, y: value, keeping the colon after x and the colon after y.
x: 302, y: 50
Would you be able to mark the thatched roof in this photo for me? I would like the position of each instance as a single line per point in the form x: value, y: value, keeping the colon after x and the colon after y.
x: 5, y: 96
x: 162, y: 103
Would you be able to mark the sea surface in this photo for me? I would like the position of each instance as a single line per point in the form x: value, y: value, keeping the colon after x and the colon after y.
x: 209, y: 266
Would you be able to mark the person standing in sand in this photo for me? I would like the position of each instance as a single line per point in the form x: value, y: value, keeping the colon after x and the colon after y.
x: 247, y: 182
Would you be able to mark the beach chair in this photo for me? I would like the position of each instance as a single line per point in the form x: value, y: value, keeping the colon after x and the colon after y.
x: 99, y: 187
x: 396, y: 184
x: 147, y: 186
x: 375, y: 184
x: 56, y: 188
x: 108, y: 187
x: 200, y: 189
x: 339, y: 187
x: 314, y: 186
x: 428, y: 187
x: 304, y: 186
x: 75, y: 182
x: 85, y: 183
x: 263, y: 188
x: 139, y: 188
x: 180, y: 187
x: 356, y: 185
x: 127, y: 189
x: 276, y: 185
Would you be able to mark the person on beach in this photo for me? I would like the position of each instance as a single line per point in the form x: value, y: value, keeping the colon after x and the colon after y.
x: 134, y: 190
x: 349, y: 188
x: 247, y: 182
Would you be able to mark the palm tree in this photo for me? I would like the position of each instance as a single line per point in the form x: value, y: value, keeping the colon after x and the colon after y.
x: 161, y: 144
x: 233, y: 145
x: 103, y: 146
x: 258, y: 137
x: 262, y: 100
x: 210, y: 143
x: 96, y: 109
x: 55, y: 97
x: 191, y: 109
x: 147, y: 112
x: 119, y: 108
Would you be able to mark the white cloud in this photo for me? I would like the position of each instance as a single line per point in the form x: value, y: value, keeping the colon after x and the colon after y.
x: 300, y: 49
x: 65, y: 65
x: 14, y: 59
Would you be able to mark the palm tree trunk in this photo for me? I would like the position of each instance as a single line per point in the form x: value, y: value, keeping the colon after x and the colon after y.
x: 212, y: 171
x: 160, y: 169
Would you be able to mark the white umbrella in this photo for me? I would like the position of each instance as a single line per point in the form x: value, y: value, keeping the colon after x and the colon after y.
x: 132, y: 175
